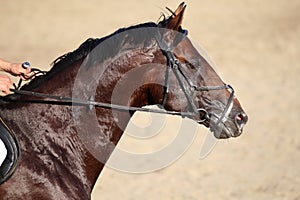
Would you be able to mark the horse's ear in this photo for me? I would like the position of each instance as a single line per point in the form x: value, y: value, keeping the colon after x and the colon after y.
x: 175, y: 20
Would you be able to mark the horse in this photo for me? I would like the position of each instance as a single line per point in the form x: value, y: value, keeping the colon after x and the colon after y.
x: 55, y: 162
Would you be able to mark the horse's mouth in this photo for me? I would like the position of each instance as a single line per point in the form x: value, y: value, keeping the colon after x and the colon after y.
x: 223, y: 132
x: 221, y: 129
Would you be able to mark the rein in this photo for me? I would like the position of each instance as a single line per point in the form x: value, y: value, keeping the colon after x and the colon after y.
x: 172, y: 65
x: 91, y: 103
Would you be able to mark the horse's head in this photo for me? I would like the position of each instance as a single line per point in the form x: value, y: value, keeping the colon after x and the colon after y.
x: 195, y: 86
x: 157, y: 64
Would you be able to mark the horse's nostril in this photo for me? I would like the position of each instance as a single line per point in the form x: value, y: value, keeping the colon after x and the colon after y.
x: 241, y: 118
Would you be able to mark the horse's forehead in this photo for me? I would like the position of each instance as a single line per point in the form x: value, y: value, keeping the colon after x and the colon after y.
x: 185, y: 49
x: 188, y: 52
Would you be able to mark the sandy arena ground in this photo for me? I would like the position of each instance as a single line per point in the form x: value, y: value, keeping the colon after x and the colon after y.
x: 255, y: 45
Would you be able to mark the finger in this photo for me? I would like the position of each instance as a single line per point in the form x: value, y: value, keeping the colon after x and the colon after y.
x: 28, y: 76
x: 5, y: 79
x: 6, y: 90
x: 24, y: 71
x: 5, y: 84
x: 28, y: 70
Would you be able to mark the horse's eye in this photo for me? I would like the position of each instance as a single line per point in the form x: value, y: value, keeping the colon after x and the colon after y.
x: 193, y: 63
x: 185, y: 32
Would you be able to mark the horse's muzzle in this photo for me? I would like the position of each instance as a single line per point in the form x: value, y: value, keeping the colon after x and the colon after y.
x: 227, y: 127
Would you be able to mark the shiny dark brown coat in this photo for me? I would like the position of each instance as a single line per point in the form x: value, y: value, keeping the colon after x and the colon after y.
x: 54, y: 162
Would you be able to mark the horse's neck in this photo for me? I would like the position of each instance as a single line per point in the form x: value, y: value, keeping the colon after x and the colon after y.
x: 51, y: 147
x: 70, y: 148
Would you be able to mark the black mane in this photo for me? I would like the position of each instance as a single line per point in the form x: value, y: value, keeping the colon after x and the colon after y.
x: 82, y: 51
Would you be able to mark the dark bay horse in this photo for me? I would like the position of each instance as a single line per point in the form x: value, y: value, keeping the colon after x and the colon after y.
x: 54, y: 161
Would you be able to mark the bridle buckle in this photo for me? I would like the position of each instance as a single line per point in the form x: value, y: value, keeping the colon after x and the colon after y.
x: 203, y: 115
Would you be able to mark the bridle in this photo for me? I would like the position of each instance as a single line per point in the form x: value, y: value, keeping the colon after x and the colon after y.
x: 198, y: 114
x: 174, y: 65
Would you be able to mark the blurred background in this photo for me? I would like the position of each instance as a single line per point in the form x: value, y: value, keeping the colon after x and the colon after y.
x: 255, y: 45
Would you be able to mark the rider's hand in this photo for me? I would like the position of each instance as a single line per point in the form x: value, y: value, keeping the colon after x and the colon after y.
x: 5, y: 84
x: 16, y: 69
